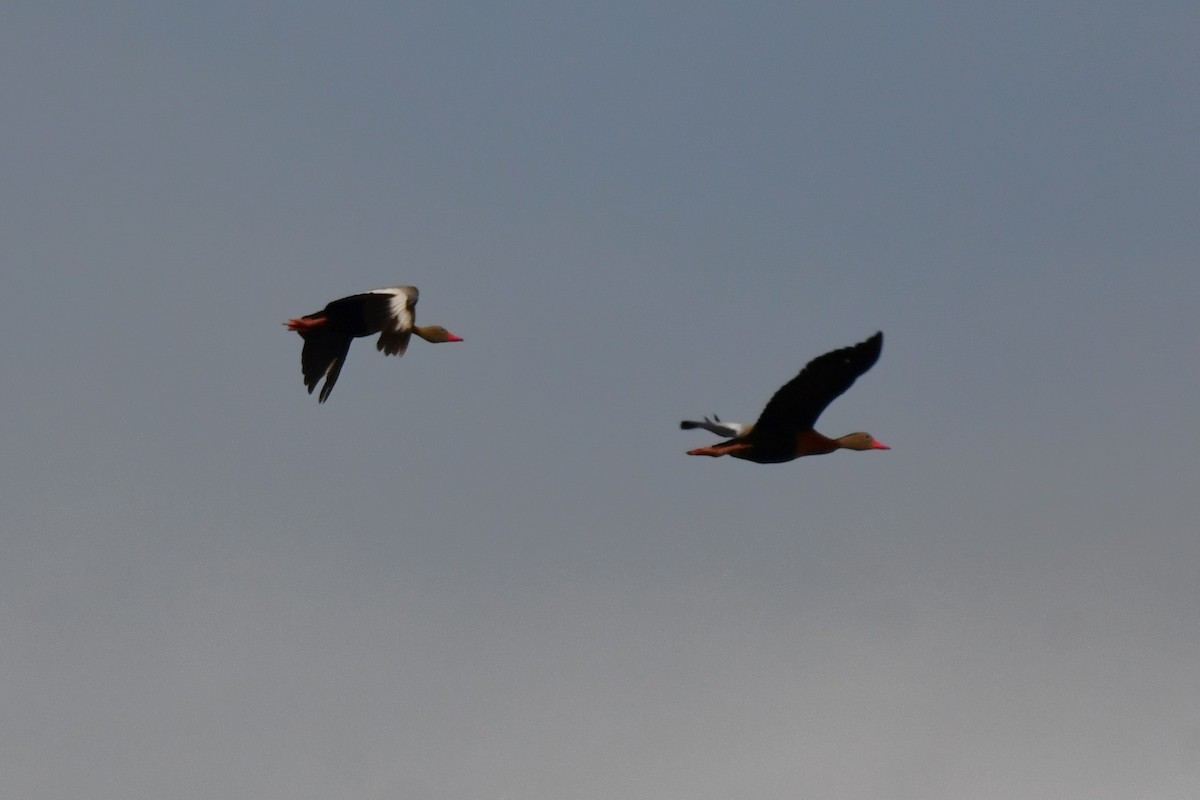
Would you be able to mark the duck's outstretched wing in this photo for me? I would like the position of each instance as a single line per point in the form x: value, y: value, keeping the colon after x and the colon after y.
x: 394, y: 309
x: 800, y: 401
x: 727, y: 429
x: 323, y: 355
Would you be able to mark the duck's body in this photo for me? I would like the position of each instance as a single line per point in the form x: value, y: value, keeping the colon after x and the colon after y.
x: 327, y: 334
x: 784, y: 431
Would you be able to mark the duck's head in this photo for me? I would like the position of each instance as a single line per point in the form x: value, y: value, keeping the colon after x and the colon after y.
x: 861, y: 441
x: 435, y: 333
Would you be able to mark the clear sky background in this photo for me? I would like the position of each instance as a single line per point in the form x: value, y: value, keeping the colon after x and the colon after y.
x: 488, y: 570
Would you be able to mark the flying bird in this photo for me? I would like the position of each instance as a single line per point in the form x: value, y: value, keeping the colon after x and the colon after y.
x: 327, y: 334
x: 784, y: 430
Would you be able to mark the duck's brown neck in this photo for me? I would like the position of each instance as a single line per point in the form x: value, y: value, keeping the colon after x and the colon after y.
x: 811, y: 443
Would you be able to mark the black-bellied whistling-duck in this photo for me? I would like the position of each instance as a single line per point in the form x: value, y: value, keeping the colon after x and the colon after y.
x: 784, y: 430
x: 327, y: 334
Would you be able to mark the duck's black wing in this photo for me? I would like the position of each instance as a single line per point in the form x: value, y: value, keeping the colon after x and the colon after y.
x: 800, y: 401
x: 323, y: 355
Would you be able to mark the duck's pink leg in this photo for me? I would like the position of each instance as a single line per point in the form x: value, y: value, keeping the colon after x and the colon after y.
x: 718, y: 450
x: 304, y: 323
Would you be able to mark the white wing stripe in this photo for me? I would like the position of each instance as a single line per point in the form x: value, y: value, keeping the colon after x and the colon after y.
x: 402, y: 301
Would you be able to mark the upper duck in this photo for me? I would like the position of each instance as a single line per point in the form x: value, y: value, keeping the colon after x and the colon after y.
x: 784, y: 430
x: 327, y: 334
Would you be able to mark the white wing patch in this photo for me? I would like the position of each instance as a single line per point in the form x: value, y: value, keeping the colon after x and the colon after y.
x: 402, y: 302
x: 402, y: 306
x: 715, y: 425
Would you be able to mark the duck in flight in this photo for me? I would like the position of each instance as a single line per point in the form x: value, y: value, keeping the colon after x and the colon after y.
x: 784, y: 431
x: 327, y: 334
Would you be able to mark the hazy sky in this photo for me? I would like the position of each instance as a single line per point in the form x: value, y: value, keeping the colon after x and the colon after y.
x: 488, y: 570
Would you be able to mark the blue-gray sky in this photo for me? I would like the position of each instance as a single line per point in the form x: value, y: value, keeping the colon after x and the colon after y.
x: 488, y: 570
